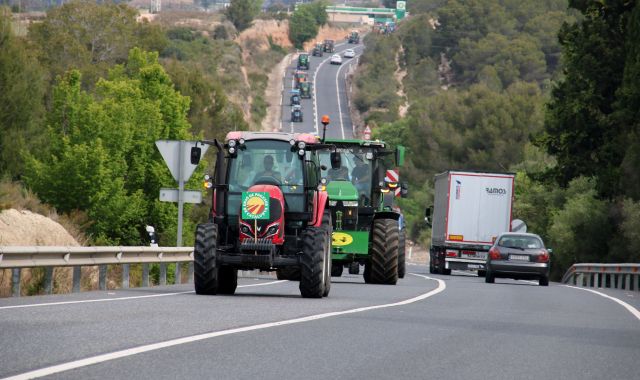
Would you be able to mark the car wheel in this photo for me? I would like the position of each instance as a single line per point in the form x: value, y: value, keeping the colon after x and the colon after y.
x: 489, y: 278
x: 543, y: 281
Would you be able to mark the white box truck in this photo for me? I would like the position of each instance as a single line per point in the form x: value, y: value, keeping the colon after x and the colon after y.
x: 470, y: 209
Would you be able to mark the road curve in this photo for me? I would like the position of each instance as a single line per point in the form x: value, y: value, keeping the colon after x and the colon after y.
x: 449, y: 327
x: 330, y: 95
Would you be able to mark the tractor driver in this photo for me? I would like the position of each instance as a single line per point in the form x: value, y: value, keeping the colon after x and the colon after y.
x: 361, y: 178
x: 268, y: 170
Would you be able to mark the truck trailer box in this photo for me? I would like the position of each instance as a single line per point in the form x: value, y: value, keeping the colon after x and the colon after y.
x: 470, y: 210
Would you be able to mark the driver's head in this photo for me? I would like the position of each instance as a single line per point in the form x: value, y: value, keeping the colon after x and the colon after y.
x: 268, y: 162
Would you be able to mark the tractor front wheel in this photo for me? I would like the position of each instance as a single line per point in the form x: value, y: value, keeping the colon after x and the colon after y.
x: 384, y: 252
x: 401, y: 254
x: 312, y: 263
x: 206, y: 270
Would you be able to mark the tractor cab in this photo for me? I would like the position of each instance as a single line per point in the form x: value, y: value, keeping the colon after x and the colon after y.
x: 298, y: 78
x: 267, y: 213
x: 318, y: 50
x: 303, y: 61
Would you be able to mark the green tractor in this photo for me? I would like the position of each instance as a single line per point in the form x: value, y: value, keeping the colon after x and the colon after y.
x: 368, y: 227
x: 303, y: 61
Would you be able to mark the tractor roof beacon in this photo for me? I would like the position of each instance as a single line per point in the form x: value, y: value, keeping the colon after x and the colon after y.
x: 367, y: 225
x: 268, y: 213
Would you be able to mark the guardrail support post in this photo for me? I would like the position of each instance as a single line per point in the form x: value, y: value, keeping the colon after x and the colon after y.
x: 163, y: 274
x: 627, y: 282
x: 590, y: 279
x: 580, y: 280
x: 48, y: 280
x: 607, y: 281
x: 190, y: 273
x: 145, y: 275
x: 15, y: 281
x: 77, y: 275
x: 102, y: 277
x: 637, y: 276
x: 178, y: 274
x: 596, y: 280
x: 125, y: 276
x: 618, y: 280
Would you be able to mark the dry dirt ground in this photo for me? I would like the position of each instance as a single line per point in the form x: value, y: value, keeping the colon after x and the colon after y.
x: 20, y: 228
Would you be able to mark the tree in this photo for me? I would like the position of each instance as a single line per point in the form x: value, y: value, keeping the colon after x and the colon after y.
x: 242, y: 12
x: 302, y: 26
x: 103, y: 159
x: 21, y: 98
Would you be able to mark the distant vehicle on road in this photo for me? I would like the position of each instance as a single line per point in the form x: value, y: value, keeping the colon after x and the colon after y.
x: 470, y: 210
x: 299, y: 77
x: 305, y: 90
x: 520, y: 256
x: 318, y: 50
x: 303, y: 61
x: 354, y: 37
x: 295, y: 98
x: 296, y: 114
x: 328, y: 46
x: 336, y: 59
x: 349, y: 53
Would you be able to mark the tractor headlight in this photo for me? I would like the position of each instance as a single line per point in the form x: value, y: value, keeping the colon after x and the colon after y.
x: 232, y: 143
x: 241, y: 141
x: 350, y: 203
x: 292, y: 142
x: 272, y: 230
x: 232, y: 150
x: 301, y: 152
x: 245, y: 230
x: 301, y: 144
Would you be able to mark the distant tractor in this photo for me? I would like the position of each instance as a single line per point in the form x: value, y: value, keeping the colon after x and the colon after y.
x: 305, y: 90
x: 328, y: 46
x: 303, y: 61
x: 295, y: 97
x: 367, y: 226
x: 268, y: 213
x: 318, y: 50
x: 299, y: 77
x: 354, y: 37
x: 296, y: 114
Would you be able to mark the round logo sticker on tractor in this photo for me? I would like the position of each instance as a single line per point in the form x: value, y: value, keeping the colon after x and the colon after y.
x: 340, y: 239
x: 255, y: 205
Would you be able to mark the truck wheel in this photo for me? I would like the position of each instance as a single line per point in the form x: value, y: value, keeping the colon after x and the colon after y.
x: 336, y: 270
x: 446, y: 272
x: 384, y: 252
x: 354, y: 268
x: 312, y: 263
x: 205, y: 268
x: 432, y: 270
x: 401, y: 254
x: 228, y: 280
x: 543, y: 281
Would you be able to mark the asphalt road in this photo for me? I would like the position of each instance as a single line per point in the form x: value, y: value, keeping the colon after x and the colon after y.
x: 427, y: 326
x: 330, y: 95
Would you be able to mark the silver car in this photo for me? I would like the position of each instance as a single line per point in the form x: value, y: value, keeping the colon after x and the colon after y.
x: 519, y: 256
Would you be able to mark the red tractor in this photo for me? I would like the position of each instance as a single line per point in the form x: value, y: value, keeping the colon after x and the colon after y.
x: 268, y: 213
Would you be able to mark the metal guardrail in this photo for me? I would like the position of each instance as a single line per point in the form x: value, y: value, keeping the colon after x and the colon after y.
x: 19, y: 257
x: 616, y: 276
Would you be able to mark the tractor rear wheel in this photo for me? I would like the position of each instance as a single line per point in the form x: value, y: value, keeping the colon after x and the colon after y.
x: 401, y: 254
x: 205, y: 268
x: 384, y: 252
x: 312, y: 263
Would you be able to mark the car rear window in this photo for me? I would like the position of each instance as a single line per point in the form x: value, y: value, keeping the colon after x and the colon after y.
x: 522, y: 242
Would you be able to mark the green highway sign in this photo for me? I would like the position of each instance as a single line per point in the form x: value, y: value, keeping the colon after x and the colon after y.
x: 255, y: 205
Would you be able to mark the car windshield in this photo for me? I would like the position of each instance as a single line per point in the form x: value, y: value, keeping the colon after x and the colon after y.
x: 520, y: 242
x: 355, y: 168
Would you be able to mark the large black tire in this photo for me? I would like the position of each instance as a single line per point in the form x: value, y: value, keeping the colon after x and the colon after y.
x: 288, y: 273
x: 336, y: 269
x: 367, y: 273
x: 489, y: 278
x: 205, y: 268
x: 312, y: 263
x: 401, y: 254
x: 384, y: 252
x: 227, y: 280
x: 328, y: 227
x: 543, y: 281
x: 446, y: 271
x: 354, y: 268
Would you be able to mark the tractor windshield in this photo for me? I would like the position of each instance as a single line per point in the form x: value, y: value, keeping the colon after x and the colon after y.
x: 355, y: 168
x: 269, y: 162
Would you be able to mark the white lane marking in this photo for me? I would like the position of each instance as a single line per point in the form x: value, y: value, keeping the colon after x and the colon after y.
x: 315, y: 96
x: 630, y: 308
x: 190, y: 339
x: 338, y: 93
x: 123, y: 298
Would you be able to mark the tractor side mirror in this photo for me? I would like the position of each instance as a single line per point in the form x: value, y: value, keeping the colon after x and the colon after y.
x: 336, y: 160
x: 323, y: 167
x: 404, y: 189
x: 399, y: 155
x: 196, y: 152
x: 427, y: 216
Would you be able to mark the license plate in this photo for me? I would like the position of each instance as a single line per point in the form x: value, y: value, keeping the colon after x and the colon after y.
x: 519, y: 257
x: 481, y: 255
x: 475, y: 266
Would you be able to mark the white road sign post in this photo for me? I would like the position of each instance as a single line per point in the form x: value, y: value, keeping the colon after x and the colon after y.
x: 177, y: 156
